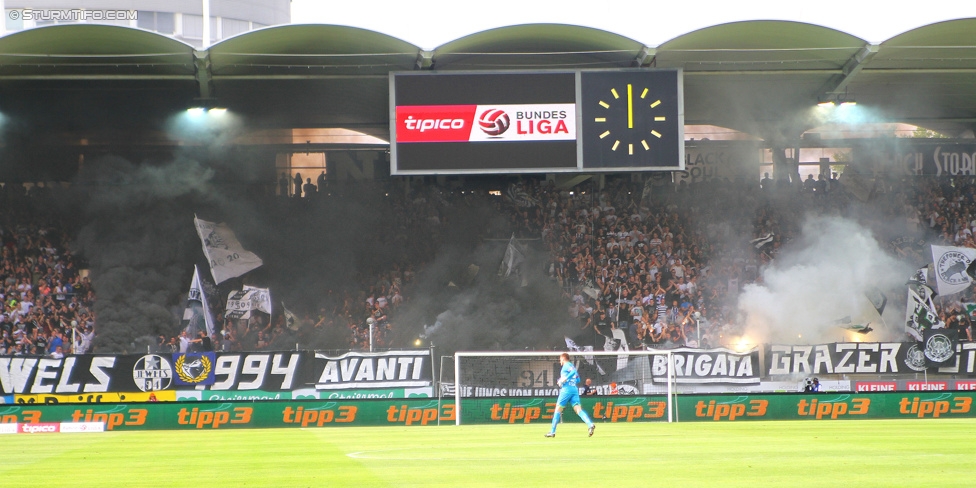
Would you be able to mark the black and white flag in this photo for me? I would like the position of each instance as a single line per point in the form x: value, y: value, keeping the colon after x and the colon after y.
x: 920, y: 313
x: 241, y: 303
x: 291, y: 320
x: 196, y: 315
x: 513, y: 258
x: 870, y: 312
x: 519, y: 197
x: 572, y: 346
x: 760, y: 242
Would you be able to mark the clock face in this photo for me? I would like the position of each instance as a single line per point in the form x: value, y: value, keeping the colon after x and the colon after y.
x: 623, y: 131
x: 631, y: 119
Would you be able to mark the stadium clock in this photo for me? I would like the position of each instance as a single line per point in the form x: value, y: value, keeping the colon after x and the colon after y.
x: 631, y: 119
x: 619, y: 107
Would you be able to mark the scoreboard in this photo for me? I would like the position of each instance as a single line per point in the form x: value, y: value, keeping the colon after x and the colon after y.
x: 536, y: 122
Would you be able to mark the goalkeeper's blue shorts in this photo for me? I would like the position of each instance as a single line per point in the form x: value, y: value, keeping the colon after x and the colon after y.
x: 567, y: 397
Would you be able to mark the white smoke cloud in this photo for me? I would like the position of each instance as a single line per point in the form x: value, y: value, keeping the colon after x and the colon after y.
x: 820, y: 278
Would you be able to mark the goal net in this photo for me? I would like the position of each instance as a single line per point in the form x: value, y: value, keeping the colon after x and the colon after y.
x: 534, y: 374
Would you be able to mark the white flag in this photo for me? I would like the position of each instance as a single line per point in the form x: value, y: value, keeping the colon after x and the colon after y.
x: 950, y: 265
x: 228, y: 259
x: 196, y: 315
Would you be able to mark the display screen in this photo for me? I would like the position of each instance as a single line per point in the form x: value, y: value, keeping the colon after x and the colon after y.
x: 534, y: 122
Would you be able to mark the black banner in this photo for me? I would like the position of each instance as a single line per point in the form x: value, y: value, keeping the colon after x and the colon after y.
x: 711, y: 366
x: 864, y: 358
x: 85, y: 374
x: 265, y: 371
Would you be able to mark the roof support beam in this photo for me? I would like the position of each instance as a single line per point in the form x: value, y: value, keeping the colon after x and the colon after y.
x: 297, y: 77
x: 646, y: 57
x: 96, y: 77
x: 425, y: 60
x: 850, y: 71
x: 201, y: 62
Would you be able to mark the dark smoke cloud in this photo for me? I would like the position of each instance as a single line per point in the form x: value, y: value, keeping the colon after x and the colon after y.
x: 140, y: 243
x: 488, y: 312
x: 138, y: 236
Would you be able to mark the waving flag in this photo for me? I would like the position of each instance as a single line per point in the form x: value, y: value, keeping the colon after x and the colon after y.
x: 760, y: 242
x: 196, y: 315
x: 512, y: 261
x: 291, y: 320
x: 920, y: 314
x: 950, y: 265
x: 241, y: 303
x: 228, y: 259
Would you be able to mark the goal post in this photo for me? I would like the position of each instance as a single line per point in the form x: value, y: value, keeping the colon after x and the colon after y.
x: 485, y: 374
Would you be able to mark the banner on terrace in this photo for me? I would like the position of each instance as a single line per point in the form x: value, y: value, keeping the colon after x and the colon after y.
x: 390, y: 369
x: 499, y: 376
x: 354, y: 375
x: 916, y: 158
x: 92, y: 374
x: 715, y: 161
x: 866, y: 358
x: 715, y: 366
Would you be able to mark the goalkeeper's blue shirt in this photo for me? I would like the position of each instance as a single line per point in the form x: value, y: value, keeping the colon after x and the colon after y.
x: 570, y: 376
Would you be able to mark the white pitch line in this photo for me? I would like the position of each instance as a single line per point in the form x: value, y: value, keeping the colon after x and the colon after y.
x: 369, y: 455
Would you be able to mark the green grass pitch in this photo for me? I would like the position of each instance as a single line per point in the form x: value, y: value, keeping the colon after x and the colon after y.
x: 788, y: 453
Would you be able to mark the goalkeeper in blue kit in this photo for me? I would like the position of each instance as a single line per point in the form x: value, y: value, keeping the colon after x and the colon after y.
x: 569, y: 395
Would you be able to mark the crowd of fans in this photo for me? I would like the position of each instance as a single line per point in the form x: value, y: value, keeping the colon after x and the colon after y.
x: 344, y: 317
x: 666, y: 264
x: 47, y: 301
x: 661, y: 262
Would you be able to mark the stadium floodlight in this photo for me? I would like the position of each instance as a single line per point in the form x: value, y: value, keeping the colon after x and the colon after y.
x: 207, y: 106
x: 833, y: 100
x: 481, y: 374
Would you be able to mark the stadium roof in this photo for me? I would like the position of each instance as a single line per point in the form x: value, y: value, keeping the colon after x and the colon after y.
x: 760, y: 77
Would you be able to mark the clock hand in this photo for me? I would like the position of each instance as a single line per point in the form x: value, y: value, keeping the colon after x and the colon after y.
x: 630, y: 106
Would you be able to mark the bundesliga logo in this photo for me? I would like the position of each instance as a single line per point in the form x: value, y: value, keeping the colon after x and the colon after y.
x: 430, y: 124
x: 494, y: 122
